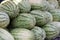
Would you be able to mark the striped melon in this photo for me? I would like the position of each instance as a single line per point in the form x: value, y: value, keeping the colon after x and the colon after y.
x: 56, y: 14
x: 22, y: 34
x: 10, y: 8
x: 24, y: 20
x: 4, y: 19
x: 39, y: 33
x: 23, y: 5
x: 51, y: 31
x: 5, y: 35
x: 42, y: 17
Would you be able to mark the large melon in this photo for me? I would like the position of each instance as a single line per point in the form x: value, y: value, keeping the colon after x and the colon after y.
x: 39, y: 33
x: 4, y: 19
x: 10, y: 8
x: 56, y: 14
x: 24, y: 20
x: 23, y: 5
x: 22, y: 34
x: 38, y: 4
x: 42, y: 17
x: 5, y: 35
x: 51, y: 31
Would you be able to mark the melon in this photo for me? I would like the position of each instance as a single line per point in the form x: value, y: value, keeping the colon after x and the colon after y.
x: 42, y: 17
x: 39, y: 33
x: 38, y: 4
x: 4, y: 20
x: 51, y: 31
x: 5, y: 35
x: 10, y: 8
x: 24, y: 20
x: 22, y: 34
x: 23, y: 5
x: 56, y: 14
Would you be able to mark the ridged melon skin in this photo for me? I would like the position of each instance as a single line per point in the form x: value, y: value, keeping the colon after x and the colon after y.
x: 56, y: 14
x: 22, y: 34
x: 42, y: 17
x: 5, y: 35
x: 10, y: 8
x: 51, y: 31
x: 4, y: 20
x: 24, y: 20
x: 23, y: 5
x: 39, y: 33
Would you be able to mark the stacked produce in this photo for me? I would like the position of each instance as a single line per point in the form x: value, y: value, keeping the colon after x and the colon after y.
x: 30, y: 20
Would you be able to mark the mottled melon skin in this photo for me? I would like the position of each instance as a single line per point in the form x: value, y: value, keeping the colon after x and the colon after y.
x: 51, y: 31
x: 22, y: 34
x: 56, y: 14
x: 10, y: 8
x: 5, y: 35
x: 24, y: 20
x: 39, y: 33
x: 42, y: 17
x: 4, y: 20
x: 23, y: 5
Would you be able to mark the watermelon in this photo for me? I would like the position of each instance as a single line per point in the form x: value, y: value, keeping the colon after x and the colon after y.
x: 10, y: 8
x: 5, y: 35
x: 24, y: 20
x: 39, y: 33
x: 51, y: 31
x: 23, y: 5
x: 42, y: 17
x: 56, y: 14
x: 4, y: 20
x: 22, y: 34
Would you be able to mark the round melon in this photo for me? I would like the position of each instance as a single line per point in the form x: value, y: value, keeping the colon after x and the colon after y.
x: 5, y: 35
x: 10, y: 8
x: 51, y: 31
x: 38, y: 4
x: 23, y: 5
x: 39, y: 33
x: 4, y: 20
x: 22, y: 34
x: 56, y: 14
x: 42, y: 17
x: 24, y: 20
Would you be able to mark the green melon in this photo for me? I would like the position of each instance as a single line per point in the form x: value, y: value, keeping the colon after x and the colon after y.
x: 24, y: 20
x: 10, y: 8
x: 23, y: 5
x: 22, y: 34
x: 39, y: 4
x: 5, y: 35
x: 54, y: 3
x: 4, y: 20
x: 51, y: 31
x: 39, y: 33
x: 42, y: 17
x: 56, y: 14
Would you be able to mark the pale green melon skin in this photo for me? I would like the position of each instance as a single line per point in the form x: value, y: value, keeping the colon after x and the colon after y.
x: 22, y: 34
x: 39, y: 33
x: 5, y: 35
x: 56, y: 14
x: 4, y: 20
x: 23, y: 5
x: 24, y: 20
x: 10, y: 8
x: 51, y: 31
x: 42, y: 17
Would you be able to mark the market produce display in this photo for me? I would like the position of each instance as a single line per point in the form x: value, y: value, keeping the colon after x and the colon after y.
x: 30, y: 20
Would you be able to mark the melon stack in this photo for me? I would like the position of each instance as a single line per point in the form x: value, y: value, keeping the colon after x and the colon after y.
x: 29, y: 19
